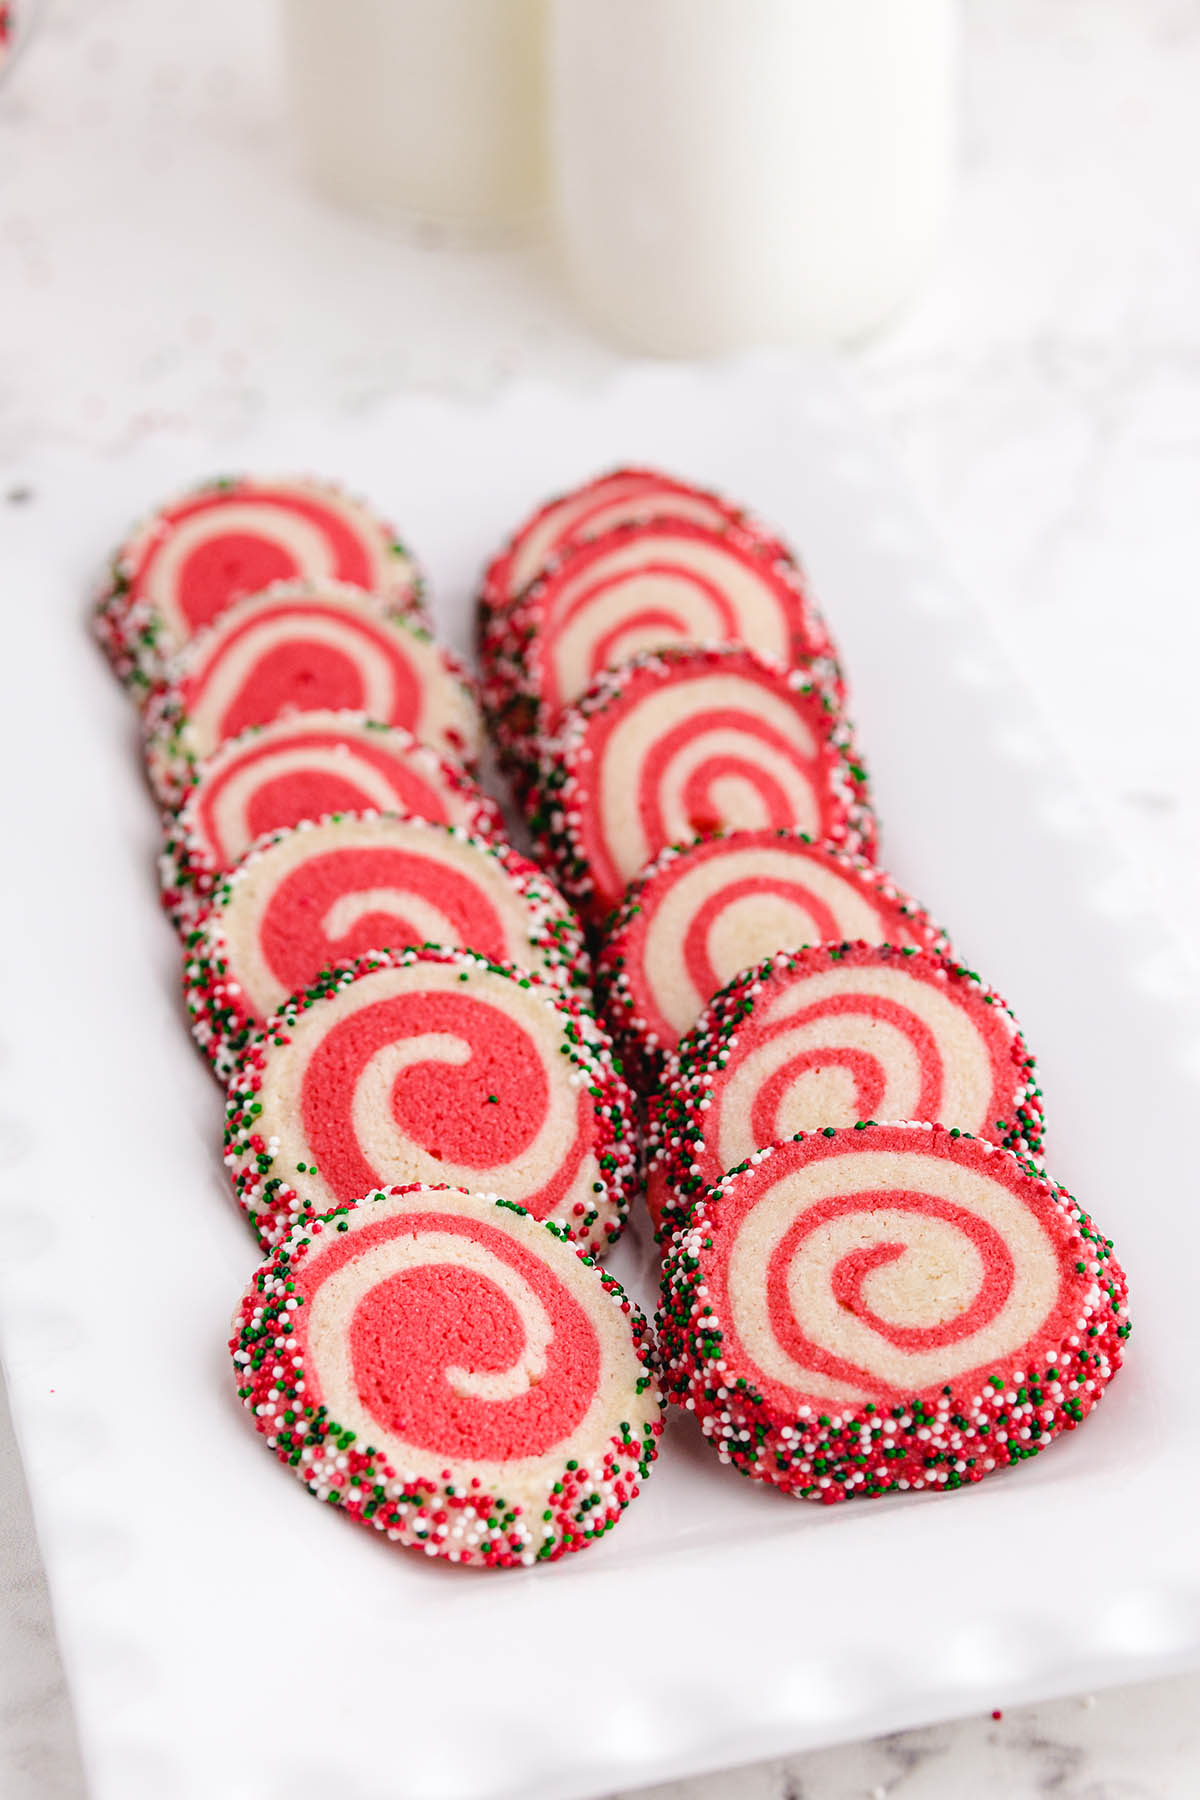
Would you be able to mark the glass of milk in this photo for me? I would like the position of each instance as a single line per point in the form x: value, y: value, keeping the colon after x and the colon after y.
x: 424, y: 112
x: 731, y: 172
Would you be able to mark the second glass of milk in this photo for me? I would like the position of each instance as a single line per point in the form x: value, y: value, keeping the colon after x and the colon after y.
x: 741, y: 171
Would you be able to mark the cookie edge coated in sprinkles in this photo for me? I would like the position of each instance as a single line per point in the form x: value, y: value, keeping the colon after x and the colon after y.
x: 417, y: 1512
x: 188, y: 873
x: 676, y: 1116
x: 221, y: 1024
x: 509, y: 648
x: 935, y: 1454
x: 127, y: 629
x: 615, y: 998
x: 249, y: 1158
x: 565, y: 757
x: 491, y: 603
x: 173, y: 762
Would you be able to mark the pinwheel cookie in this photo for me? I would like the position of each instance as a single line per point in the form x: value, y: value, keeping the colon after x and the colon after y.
x: 306, y: 766
x: 444, y: 1369
x: 703, y: 912
x: 891, y: 1308
x: 318, y: 894
x: 829, y: 1036
x: 432, y: 1065
x: 304, y: 647
x: 621, y: 497
x: 184, y: 565
x: 685, y: 743
x: 641, y: 587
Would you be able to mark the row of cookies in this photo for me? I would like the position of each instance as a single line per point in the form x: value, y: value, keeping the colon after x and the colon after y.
x: 422, y: 1109
x: 847, y: 1307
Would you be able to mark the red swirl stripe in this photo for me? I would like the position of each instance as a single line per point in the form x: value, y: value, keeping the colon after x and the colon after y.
x: 578, y: 523
x: 706, y: 911
x: 305, y: 672
x: 659, y: 583
x: 313, y: 792
x: 231, y: 563
x: 577, y: 518
x: 686, y: 742
x: 914, y: 1035
x: 293, y: 931
x: 606, y: 589
x: 620, y: 498
x: 415, y: 1330
x: 703, y: 811
x: 634, y: 491
x: 704, y: 974
x: 850, y: 1272
x: 870, y: 1074
x: 608, y: 647
x: 886, y: 1309
x: 479, y: 1114
x: 870, y: 1083
x: 828, y: 1239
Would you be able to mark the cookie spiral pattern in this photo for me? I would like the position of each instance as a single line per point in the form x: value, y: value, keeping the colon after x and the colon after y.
x: 685, y: 743
x: 830, y: 1036
x: 621, y: 497
x: 306, y: 767
x: 443, y: 1368
x: 318, y: 894
x: 301, y: 648
x: 640, y: 588
x: 888, y: 1308
x: 425, y: 1065
x: 198, y: 554
x: 703, y: 912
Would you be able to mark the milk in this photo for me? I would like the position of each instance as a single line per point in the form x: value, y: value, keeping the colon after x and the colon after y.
x: 738, y: 171
x: 423, y: 111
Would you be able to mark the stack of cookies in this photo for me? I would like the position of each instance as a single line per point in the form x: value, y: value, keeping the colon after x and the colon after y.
x: 869, y: 1283
x: 426, y: 1128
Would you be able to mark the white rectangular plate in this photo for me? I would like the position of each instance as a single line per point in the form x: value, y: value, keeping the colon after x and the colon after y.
x: 223, y: 1634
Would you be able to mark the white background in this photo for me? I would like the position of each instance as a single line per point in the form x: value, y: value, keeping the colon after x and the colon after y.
x: 161, y: 265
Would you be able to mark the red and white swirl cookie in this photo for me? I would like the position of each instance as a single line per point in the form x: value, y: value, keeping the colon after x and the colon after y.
x: 307, y: 766
x: 424, y: 1065
x: 448, y: 1371
x: 321, y: 893
x: 681, y: 744
x: 184, y: 565
x: 702, y: 912
x: 621, y: 497
x: 829, y: 1036
x: 887, y: 1308
x: 304, y: 647
x: 641, y: 587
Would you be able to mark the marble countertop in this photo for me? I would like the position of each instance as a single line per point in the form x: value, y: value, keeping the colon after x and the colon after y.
x: 161, y: 267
